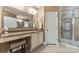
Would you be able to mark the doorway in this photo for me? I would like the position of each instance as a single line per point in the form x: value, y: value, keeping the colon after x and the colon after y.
x: 51, y: 27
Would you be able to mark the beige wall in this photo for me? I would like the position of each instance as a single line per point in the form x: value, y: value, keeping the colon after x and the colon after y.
x: 0, y: 19
x: 39, y: 17
x: 35, y: 19
x: 51, y: 8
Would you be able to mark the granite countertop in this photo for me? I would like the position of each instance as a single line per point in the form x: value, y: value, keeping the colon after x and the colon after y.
x: 16, y: 35
x: 8, y: 39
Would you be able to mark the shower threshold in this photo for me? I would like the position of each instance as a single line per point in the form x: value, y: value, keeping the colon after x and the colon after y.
x: 69, y: 43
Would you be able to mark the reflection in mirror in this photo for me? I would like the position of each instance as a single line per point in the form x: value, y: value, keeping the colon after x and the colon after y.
x: 20, y: 23
x: 24, y: 23
x: 10, y: 22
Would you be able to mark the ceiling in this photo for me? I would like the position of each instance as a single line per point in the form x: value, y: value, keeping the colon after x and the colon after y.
x: 22, y: 10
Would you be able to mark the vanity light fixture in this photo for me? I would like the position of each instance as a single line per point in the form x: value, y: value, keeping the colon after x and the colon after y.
x: 19, y: 20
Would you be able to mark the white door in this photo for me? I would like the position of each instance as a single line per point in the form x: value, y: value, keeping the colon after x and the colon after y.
x: 51, y: 27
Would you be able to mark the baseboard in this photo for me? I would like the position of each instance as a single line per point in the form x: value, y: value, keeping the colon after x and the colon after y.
x: 68, y: 45
x: 45, y: 43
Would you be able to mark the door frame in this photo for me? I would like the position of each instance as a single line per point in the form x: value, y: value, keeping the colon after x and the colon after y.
x: 57, y: 41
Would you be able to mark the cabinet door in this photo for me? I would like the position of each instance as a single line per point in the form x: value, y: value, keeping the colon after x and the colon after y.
x: 4, y: 47
x: 34, y: 41
x: 40, y: 38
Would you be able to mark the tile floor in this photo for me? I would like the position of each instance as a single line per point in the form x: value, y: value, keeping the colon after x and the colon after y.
x: 55, y: 49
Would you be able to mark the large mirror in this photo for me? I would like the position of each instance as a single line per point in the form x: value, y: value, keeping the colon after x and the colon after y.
x: 14, y: 19
x: 11, y: 22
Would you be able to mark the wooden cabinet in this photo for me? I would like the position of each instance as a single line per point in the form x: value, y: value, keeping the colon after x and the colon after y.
x: 4, y: 47
x: 40, y: 38
x: 34, y: 40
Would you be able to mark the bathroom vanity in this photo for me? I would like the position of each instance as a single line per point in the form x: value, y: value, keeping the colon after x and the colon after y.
x: 19, y: 34
x: 31, y: 39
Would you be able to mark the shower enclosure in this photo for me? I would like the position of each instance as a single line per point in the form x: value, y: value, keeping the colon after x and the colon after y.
x: 69, y: 24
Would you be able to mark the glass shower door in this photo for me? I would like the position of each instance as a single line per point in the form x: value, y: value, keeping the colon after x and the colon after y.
x: 67, y: 29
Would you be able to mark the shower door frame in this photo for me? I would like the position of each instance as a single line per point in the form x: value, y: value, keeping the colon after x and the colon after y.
x: 60, y: 31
